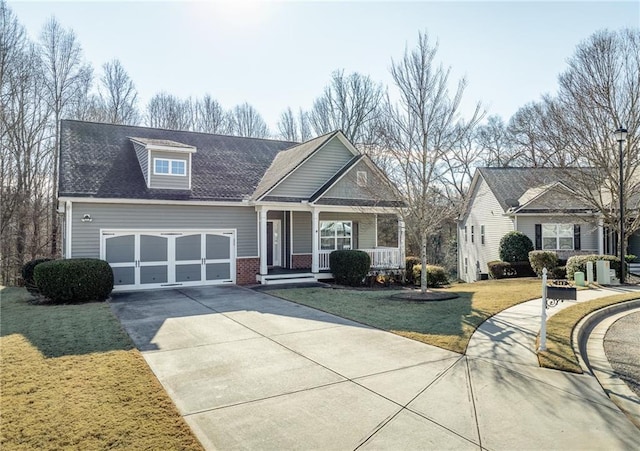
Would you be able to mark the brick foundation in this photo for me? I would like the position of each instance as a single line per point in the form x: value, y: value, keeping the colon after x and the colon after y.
x: 246, y: 270
x: 301, y: 261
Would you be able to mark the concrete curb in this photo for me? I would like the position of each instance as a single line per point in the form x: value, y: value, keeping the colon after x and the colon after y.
x: 588, y: 343
x: 588, y: 323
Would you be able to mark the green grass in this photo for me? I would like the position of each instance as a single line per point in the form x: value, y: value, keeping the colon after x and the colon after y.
x: 71, y: 379
x: 447, y: 324
x: 559, y: 354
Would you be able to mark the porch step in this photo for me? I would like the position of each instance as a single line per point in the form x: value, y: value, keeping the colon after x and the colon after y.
x: 275, y: 279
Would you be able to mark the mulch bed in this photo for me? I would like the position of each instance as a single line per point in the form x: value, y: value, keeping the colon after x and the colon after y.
x: 418, y: 296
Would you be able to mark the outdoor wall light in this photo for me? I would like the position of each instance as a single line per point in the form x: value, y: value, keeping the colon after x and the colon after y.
x: 86, y: 218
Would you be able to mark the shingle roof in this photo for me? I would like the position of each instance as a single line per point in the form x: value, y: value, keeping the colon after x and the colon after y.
x: 512, y: 183
x: 98, y: 160
x: 287, y: 161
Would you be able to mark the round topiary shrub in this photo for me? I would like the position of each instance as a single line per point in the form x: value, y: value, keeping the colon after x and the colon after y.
x: 27, y: 273
x: 543, y: 259
x: 515, y: 247
x: 349, y: 267
x: 436, y: 276
x: 74, y: 280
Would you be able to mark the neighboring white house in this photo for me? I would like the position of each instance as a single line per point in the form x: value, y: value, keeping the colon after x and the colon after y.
x: 533, y: 201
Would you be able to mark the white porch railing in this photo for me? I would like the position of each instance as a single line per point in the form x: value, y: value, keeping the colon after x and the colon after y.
x: 381, y: 258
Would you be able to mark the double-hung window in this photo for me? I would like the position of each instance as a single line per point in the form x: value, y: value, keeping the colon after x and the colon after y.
x: 472, y: 234
x: 481, y: 234
x: 165, y: 166
x: 557, y: 237
x: 336, y: 235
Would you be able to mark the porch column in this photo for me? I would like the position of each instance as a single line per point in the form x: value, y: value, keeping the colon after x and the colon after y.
x: 401, y: 240
x: 600, y: 237
x: 315, y: 258
x: 263, y: 242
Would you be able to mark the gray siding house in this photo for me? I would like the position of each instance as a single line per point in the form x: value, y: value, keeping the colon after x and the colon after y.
x: 533, y: 201
x: 172, y: 208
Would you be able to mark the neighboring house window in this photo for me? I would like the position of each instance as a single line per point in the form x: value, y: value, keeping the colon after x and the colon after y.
x: 465, y: 235
x: 361, y: 178
x: 335, y: 235
x: 557, y: 236
x: 472, y: 234
x: 466, y: 265
x: 163, y: 166
x: 481, y: 234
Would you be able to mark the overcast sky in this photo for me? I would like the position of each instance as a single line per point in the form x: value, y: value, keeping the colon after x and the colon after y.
x: 279, y: 54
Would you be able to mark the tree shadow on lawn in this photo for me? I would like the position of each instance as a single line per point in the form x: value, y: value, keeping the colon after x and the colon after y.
x: 61, y: 330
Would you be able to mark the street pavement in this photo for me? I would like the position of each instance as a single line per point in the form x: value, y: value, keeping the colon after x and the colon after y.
x: 250, y: 371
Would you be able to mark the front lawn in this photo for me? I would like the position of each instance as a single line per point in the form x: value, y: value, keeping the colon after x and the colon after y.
x: 448, y: 324
x: 559, y: 354
x: 71, y: 379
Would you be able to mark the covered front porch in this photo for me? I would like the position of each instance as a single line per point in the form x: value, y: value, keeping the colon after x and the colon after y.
x: 295, y: 244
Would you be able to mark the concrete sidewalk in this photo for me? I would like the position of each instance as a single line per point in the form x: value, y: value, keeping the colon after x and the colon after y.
x: 249, y: 371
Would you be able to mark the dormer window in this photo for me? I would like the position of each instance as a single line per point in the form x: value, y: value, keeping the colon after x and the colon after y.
x: 165, y: 166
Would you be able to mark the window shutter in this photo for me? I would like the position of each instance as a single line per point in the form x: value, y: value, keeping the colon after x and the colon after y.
x: 576, y: 237
x: 538, y: 236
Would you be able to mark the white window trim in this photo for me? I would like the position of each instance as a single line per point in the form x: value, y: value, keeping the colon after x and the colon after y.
x: 557, y: 237
x: 335, y: 236
x: 170, y: 161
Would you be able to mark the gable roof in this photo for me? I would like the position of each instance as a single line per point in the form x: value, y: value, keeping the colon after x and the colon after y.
x: 97, y: 160
x: 288, y: 161
x: 511, y: 184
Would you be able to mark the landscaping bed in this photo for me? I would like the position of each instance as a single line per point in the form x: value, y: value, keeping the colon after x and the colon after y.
x: 71, y: 378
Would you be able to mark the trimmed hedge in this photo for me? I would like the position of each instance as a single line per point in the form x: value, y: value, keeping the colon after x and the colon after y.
x: 436, y: 275
x: 543, y: 259
x: 409, y: 263
x: 515, y: 247
x: 349, y: 267
x: 559, y: 272
x: 27, y: 273
x: 74, y: 280
x: 579, y: 263
x: 507, y: 270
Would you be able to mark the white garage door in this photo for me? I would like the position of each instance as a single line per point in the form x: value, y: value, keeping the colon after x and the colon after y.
x: 153, y: 259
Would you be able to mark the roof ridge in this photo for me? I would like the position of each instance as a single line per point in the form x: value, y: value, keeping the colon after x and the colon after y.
x: 145, y: 127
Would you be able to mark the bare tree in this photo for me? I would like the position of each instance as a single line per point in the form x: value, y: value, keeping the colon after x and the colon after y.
x: 168, y: 111
x: 349, y: 103
x: 210, y: 116
x: 600, y: 91
x: 294, y: 128
x: 422, y: 127
x: 24, y: 150
x: 64, y: 70
x: 244, y: 120
x: 118, y: 95
x: 495, y: 144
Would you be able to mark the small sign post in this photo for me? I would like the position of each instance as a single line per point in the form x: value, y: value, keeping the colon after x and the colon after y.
x: 543, y: 318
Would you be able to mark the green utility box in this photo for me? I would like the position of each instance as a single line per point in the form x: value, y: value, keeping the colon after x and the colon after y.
x: 578, y: 277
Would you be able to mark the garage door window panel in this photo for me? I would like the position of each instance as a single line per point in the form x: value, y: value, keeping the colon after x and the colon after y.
x: 218, y: 247
x: 153, y: 248
x: 120, y: 249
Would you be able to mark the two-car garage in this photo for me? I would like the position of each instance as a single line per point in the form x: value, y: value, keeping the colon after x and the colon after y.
x: 168, y: 258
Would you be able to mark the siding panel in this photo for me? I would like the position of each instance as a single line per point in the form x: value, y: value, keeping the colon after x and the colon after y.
x: 347, y: 187
x: 170, y: 181
x: 301, y: 232
x: 86, y: 235
x: 314, y: 172
x: 485, y: 210
x: 588, y: 228
x: 143, y: 159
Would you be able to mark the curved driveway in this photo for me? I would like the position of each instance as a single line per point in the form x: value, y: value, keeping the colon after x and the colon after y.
x: 250, y: 371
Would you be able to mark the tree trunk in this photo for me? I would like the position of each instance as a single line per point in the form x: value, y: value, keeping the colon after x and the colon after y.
x: 423, y: 262
x: 54, y: 192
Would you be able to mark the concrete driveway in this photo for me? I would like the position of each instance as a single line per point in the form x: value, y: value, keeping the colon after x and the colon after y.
x: 250, y: 371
